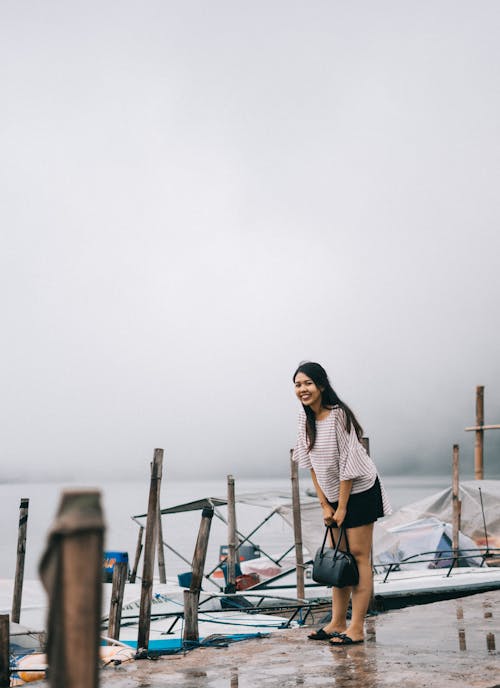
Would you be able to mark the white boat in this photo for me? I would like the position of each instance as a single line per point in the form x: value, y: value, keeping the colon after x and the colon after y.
x: 412, y: 548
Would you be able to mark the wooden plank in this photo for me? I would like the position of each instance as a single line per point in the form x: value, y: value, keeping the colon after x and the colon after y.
x: 455, y: 498
x: 192, y: 595
x: 297, y: 527
x: 479, y: 439
x: 117, y: 590
x: 483, y: 427
x: 21, y: 554
x: 162, y: 573
x: 4, y: 651
x: 160, y: 544
x: 232, y: 538
x: 200, y: 550
x: 138, y: 551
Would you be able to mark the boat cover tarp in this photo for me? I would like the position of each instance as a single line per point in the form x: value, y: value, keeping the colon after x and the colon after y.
x: 471, y: 522
x: 438, y: 505
x: 429, y: 534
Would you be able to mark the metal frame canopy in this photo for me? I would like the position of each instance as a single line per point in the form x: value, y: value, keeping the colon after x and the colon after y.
x: 274, y: 501
x: 196, y: 505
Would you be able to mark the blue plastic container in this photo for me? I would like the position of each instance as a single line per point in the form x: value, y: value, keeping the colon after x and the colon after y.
x: 185, y: 579
x: 110, y: 559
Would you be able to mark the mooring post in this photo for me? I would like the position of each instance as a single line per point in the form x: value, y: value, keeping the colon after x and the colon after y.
x: 71, y: 572
x: 138, y: 551
x: 4, y: 651
x: 232, y: 538
x: 192, y: 595
x: 21, y: 553
x: 456, y: 503
x: 117, y: 590
x: 297, y: 527
x: 365, y: 441
x: 149, y: 557
x: 479, y: 441
x: 161, y: 550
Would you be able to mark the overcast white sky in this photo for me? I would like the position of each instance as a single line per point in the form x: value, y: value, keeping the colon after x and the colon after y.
x: 196, y: 196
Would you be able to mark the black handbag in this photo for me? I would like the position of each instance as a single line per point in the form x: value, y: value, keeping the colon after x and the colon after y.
x: 333, y: 567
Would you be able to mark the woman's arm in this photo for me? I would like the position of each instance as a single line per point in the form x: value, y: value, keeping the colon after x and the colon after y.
x: 344, y: 494
x: 328, y: 511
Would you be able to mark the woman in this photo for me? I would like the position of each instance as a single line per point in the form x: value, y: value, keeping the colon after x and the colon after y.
x: 348, y: 488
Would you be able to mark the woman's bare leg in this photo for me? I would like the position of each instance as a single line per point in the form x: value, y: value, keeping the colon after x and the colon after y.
x: 340, y: 603
x: 360, y: 543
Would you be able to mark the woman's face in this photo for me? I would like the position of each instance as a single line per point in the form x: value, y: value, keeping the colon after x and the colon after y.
x: 307, y: 392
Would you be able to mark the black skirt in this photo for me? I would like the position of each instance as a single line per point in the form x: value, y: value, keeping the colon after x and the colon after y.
x: 363, y: 507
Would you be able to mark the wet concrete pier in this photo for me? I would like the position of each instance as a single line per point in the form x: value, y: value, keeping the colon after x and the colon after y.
x: 453, y: 643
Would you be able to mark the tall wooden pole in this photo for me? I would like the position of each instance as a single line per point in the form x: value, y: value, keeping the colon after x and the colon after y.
x: 297, y: 527
x: 71, y: 571
x: 161, y: 550
x: 456, y: 504
x: 149, y: 556
x: 232, y: 538
x: 4, y: 651
x: 192, y: 596
x: 21, y: 553
x: 479, y: 442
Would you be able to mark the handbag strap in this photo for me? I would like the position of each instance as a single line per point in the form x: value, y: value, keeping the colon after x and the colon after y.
x: 343, y: 531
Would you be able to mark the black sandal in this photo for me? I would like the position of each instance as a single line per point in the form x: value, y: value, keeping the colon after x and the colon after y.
x: 322, y: 635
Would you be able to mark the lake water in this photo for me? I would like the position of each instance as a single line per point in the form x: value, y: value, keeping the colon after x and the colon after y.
x: 121, y: 500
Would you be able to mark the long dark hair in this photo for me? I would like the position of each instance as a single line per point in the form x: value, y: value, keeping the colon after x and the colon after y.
x: 329, y: 399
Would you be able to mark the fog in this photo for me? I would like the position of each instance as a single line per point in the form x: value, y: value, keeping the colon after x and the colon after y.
x: 195, y: 197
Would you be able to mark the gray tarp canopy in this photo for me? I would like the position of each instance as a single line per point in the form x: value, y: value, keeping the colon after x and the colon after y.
x: 471, y: 518
x: 272, y: 500
x: 438, y: 505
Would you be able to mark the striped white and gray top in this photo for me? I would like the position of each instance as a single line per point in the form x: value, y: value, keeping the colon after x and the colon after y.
x: 337, y: 455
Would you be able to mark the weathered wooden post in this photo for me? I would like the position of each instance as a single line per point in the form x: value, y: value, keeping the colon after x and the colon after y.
x: 4, y: 651
x: 191, y: 596
x: 71, y: 572
x: 479, y: 441
x: 365, y: 441
x: 149, y: 557
x: 478, y: 430
x: 138, y: 551
x: 232, y: 538
x: 161, y: 550
x: 21, y: 553
x: 297, y: 527
x: 117, y: 590
x: 456, y: 503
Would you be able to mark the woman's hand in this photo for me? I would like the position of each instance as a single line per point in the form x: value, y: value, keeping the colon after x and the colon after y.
x: 328, y: 515
x: 339, y: 515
